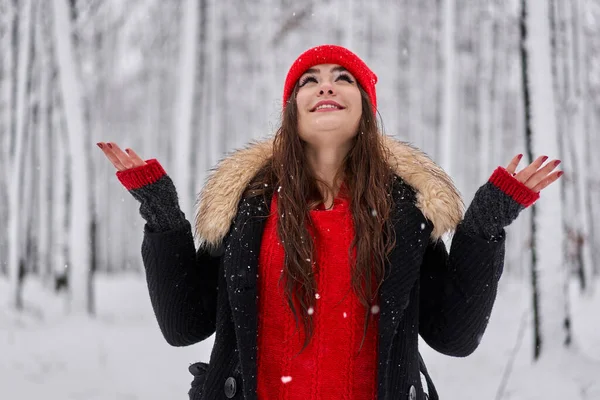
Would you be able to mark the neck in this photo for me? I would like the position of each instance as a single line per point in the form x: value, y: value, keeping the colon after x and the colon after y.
x: 325, y: 162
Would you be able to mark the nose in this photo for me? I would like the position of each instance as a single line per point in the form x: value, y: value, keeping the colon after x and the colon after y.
x: 326, y: 86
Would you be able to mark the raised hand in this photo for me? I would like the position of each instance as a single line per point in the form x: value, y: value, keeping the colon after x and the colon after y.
x: 534, y: 176
x: 122, y: 160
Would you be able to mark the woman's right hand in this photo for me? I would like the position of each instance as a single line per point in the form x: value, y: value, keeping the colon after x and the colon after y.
x: 122, y: 160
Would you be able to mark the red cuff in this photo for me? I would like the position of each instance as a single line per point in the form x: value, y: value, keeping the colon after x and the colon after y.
x: 137, y: 177
x: 520, y: 193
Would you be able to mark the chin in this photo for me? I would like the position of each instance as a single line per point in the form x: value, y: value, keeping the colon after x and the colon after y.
x: 327, y: 138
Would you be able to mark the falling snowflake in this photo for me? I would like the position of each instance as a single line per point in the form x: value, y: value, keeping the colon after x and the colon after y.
x: 317, y: 296
x: 311, y: 311
x: 345, y: 315
x: 374, y: 212
x: 286, y: 379
x: 375, y: 309
x: 422, y: 225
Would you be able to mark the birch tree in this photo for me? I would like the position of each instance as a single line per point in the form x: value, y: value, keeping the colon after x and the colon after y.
x: 200, y: 137
x: 486, y: 85
x: 548, y: 272
x: 216, y: 83
x: 60, y: 240
x: 185, y: 104
x: 7, y: 43
x: 79, y: 235
x: 15, y: 231
x: 576, y: 136
x: 449, y: 92
x: 45, y: 188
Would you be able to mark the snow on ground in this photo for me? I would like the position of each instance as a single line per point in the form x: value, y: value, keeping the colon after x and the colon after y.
x: 121, y: 354
x: 569, y: 375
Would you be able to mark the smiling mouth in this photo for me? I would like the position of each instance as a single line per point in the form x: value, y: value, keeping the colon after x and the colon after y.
x: 327, y: 107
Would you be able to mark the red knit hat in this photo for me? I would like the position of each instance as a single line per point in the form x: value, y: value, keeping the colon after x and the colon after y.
x: 331, y: 54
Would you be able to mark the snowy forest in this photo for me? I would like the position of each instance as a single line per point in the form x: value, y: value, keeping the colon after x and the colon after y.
x: 471, y: 83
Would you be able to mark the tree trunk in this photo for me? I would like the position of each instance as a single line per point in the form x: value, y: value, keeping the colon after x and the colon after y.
x: 216, y: 79
x: 448, y: 113
x: 403, y: 85
x: 486, y: 89
x: 44, y: 155
x: 549, y: 277
x: 185, y: 105
x: 7, y: 83
x: 59, y: 191
x: 79, y: 240
x: 578, y: 136
x: 15, y: 223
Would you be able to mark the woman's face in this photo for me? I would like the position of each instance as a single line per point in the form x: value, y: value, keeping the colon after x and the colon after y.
x: 329, y: 105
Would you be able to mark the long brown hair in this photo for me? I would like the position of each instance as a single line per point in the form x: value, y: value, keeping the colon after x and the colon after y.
x: 369, y: 181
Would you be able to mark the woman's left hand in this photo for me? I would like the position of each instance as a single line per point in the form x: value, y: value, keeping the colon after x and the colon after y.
x: 534, y: 177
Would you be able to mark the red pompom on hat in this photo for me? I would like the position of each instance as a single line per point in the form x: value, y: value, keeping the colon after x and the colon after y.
x: 331, y: 54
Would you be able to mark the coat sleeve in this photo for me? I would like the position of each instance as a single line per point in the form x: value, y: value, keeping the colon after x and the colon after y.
x: 182, y: 281
x: 457, y: 292
x: 458, y: 289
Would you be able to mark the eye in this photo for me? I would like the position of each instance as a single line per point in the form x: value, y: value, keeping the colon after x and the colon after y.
x: 345, y: 77
x: 307, y: 79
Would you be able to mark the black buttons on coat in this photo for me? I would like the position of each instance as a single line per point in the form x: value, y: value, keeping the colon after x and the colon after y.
x: 230, y: 387
x: 412, y: 393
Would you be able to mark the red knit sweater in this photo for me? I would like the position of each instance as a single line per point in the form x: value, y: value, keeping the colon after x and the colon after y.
x: 331, y: 366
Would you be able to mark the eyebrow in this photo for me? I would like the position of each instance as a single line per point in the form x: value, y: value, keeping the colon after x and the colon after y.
x: 316, y: 70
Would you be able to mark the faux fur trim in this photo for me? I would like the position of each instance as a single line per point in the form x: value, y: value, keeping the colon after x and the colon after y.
x: 437, y: 197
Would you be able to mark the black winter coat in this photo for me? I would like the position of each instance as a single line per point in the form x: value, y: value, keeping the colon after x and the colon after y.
x: 446, y: 298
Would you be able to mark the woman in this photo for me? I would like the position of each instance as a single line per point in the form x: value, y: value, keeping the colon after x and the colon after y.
x: 320, y: 259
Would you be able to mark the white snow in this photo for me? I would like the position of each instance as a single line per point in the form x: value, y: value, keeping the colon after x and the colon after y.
x: 572, y: 375
x: 122, y: 355
x: 119, y: 355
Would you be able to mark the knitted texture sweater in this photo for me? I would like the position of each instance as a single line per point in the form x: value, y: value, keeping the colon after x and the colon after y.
x: 331, y: 367
x: 445, y: 297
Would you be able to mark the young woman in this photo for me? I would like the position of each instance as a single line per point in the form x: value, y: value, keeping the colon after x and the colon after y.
x: 320, y: 259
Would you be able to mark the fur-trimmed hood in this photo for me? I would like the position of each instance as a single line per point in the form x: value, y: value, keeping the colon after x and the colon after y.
x: 217, y: 204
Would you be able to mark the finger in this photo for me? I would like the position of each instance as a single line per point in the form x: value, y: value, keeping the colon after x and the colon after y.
x: 547, y: 181
x: 137, y: 160
x: 541, y: 174
x: 531, y: 169
x: 122, y: 156
x: 107, y: 149
x: 512, y: 167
